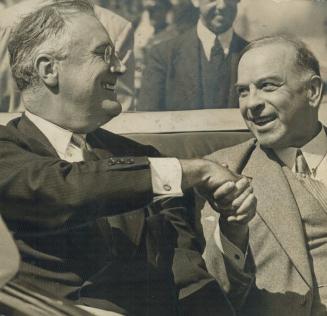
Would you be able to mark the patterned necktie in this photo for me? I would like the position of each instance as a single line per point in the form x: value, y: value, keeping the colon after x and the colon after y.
x: 301, y: 166
x: 87, y: 152
x: 315, y: 187
x: 217, y: 54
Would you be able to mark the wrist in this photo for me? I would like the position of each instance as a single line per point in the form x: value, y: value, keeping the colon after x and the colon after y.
x: 237, y: 233
x: 194, y: 172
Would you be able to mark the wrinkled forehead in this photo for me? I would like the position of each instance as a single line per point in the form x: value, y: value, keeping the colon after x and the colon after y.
x: 271, y: 59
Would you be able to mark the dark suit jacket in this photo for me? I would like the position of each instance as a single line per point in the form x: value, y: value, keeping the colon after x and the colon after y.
x: 281, y: 264
x: 72, y: 242
x: 172, y: 78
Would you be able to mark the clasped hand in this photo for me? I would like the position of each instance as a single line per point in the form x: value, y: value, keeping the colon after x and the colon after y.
x: 228, y: 193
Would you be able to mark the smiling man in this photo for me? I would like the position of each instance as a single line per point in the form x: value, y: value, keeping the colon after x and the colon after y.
x: 280, y: 90
x: 197, y: 69
x: 95, y: 220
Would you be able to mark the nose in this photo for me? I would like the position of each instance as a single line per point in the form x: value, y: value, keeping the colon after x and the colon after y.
x: 255, y: 102
x: 221, y: 4
x: 117, y: 66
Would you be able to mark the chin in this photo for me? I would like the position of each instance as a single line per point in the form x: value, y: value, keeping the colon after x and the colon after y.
x: 111, y: 108
x: 270, y: 141
x: 219, y: 28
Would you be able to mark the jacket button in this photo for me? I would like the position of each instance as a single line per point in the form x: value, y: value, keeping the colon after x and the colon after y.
x: 111, y: 161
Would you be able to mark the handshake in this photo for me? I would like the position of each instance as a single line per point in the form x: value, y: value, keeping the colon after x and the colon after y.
x: 228, y: 193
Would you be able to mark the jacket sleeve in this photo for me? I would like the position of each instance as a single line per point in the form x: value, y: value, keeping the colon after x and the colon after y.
x: 236, y: 283
x: 48, y: 191
x: 193, y: 282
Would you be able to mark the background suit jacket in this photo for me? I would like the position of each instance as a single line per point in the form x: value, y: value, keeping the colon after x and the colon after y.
x: 172, y: 78
x: 283, y: 284
x: 64, y: 219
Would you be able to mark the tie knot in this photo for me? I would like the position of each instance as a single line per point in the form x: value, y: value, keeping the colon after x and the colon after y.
x: 79, y: 140
x: 301, y: 166
x: 217, y: 49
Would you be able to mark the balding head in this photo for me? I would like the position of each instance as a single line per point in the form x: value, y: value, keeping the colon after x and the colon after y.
x: 280, y: 90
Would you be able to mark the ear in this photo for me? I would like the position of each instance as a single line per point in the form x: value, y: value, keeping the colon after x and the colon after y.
x: 315, y: 90
x: 46, y: 67
x: 195, y: 3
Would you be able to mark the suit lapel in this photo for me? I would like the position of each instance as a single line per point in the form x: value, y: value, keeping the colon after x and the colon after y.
x: 36, y: 140
x: 278, y: 208
x: 131, y: 223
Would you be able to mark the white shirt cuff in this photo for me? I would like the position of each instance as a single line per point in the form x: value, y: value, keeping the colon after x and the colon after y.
x: 229, y: 250
x: 166, y: 175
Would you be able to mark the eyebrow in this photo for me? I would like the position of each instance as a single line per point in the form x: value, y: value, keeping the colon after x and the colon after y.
x: 260, y: 80
x: 102, y: 45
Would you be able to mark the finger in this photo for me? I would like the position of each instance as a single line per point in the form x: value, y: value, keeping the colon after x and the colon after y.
x: 247, y: 210
x: 236, y: 203
x: 225, y: 189
x: 224, y: 211
x: 240, y: 219
x: 242, y: 184
x: 240, y: 187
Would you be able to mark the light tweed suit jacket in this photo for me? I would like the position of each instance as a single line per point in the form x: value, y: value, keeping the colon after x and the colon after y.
x: 278, y: 256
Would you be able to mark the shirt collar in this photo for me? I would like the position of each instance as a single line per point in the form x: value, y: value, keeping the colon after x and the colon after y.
x: 58, y: 137
x: 207, y: 38
x: 313, y: 152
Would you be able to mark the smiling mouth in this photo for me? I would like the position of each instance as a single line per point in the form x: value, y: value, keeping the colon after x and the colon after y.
x: 263, y: 120
x: 108, y: 86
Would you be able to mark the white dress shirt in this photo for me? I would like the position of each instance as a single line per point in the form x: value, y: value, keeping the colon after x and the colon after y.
x: 207, y: 39
x: 166, y: 173
x: 315, y: 154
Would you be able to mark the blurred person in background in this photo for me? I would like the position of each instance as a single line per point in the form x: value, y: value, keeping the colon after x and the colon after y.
x: 198, y: 68
x: 182, y: 16
x: 154, y: 21
x: 157, y: 11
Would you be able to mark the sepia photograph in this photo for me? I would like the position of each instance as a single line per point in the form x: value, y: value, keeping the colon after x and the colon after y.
x: 163, y: 157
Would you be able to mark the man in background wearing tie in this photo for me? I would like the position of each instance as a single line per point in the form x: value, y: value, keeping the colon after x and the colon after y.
x: 280, y: 90
x: 95, y: 220
x: 196, y: 70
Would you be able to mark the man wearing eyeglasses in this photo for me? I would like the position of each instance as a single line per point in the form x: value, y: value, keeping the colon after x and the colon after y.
x: 95, y: 219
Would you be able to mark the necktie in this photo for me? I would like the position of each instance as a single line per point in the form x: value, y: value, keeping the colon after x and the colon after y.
x: 301, y: 166
x: 217, y: 54
x: 315, y: 187
x: 80, y: 141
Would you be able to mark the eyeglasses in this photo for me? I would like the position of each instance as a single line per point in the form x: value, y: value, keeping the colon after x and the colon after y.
x: 112, y: 60
x: 108, y: 54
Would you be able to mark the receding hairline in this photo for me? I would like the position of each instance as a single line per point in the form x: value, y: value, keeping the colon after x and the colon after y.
x: 304, y: 59
x: 283, y: 51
